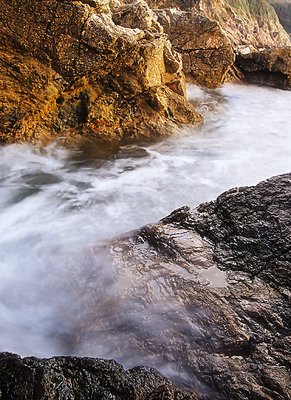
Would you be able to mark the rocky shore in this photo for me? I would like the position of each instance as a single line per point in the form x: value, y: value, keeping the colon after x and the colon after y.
x: 225, y: 267
x: 111, y: 72
x: 115, y: 72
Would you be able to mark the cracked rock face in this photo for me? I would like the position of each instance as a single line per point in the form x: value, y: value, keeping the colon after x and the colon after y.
x: 211, y: 292
x: 252, y: 23
x: 70, y: 70
x: 207, y: 54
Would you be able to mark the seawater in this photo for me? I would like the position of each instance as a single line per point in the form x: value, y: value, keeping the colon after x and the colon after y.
x: 55, y: 203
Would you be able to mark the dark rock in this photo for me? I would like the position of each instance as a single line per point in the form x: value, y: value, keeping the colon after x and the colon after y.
x: 268, y: 67
x: 65, y: 378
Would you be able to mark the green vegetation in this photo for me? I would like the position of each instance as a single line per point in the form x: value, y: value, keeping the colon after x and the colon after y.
x: 254, y: 8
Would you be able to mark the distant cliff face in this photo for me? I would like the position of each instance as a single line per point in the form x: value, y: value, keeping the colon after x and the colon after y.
x: 247, y: 22
x: 283, y: 10
x: 69, y: 71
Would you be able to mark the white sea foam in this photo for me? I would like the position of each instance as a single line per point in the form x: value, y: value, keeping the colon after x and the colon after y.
x: 55, y: 203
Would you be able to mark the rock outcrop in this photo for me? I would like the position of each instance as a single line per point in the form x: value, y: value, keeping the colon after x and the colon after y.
x: 206, y: 52
x: 211, y: 292
x: 215, y: 282
x: 69, y: 72
x: 81, y: 378
x: 269, y: 67
x: 207, y: 32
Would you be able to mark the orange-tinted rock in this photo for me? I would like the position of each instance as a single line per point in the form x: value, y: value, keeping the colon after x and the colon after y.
x: 206, y: 52
x: 68, y: 71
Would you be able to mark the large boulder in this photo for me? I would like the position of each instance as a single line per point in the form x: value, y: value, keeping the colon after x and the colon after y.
x: 268, y: 67
x: 68, y: 71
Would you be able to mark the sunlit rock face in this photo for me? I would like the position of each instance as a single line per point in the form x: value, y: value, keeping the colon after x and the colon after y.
x: 269, y: 67
x: 245, y: 23
x: 206, y: 52
x: 207, y: 32
x: 69, y: 71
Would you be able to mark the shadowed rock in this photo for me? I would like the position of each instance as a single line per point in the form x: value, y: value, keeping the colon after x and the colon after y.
x: 269, y: 67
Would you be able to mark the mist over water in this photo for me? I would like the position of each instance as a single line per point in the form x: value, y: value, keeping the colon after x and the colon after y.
x: 56, y: 203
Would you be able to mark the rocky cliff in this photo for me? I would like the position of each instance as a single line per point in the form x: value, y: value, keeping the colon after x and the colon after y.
x: 72, y: 70
x: 283, y: 10
x: 206, y: 33
x: 212, y: 291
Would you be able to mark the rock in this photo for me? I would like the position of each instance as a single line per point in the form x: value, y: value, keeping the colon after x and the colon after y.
x: 206, y: 52
x: 206, y: 32
x: 66, y: 378
x: 268, y: 67
x: 211, y: 292
x: 283, y: 10
x: 206, y: 293
x: 69, y: 72
x: 251, y: 23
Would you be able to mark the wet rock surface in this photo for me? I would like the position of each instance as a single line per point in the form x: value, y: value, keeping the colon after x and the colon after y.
x: 205, y: 298
x: 69, y: 72
x: 226, y: 267
x: 81, y: 378
x: 268, y: 67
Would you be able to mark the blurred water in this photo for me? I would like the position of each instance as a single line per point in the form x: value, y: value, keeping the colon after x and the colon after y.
x: 56, y: 203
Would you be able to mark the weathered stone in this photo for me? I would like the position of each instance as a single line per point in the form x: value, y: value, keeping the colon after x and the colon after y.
x: 221, y: 275
x: 66, y: 378
x: 246, y: 23
x: 206, y: 52
x: 268, y: 67
x: 69, y: 71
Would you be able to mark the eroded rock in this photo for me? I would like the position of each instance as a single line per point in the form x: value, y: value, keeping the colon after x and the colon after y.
x: 268, y: 67
x: 81, y: 378
x: 69, y: 71
x: 206, y: 52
